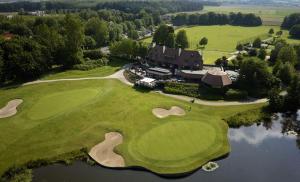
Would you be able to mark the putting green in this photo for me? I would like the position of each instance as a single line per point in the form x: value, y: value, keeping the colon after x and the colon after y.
x: 56, y: 103
x: 176, y: 140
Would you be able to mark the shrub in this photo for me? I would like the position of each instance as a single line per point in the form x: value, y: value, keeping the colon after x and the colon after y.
x: 233, y: 94
x: 90, y: 64
x: 248, y: 118
x: 187, y: 89
x: 93, y: 54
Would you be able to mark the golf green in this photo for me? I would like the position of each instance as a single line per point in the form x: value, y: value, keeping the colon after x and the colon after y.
x: 176, y: 140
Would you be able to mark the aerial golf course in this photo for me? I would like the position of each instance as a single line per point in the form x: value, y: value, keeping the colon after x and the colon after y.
x: 57, y: 118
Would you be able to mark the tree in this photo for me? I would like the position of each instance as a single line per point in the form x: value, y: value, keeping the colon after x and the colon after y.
x: 271, y: 32
x: 262, y: 54
x: 255, y: 77
x: 133, y: 34
x: 279, y: 33
x: 98, y: 29
x: 89, y: 42
x: 286, y: 73
x: 274, y: 53
x: 295, y: 31
x: 203, y: 42
x: 257, y: 43
x: 291, y: 20
x: 52, y: 40
x: 74, y: 39
x: 170, y: 41
x: 292, y: 102
x: 276, y: 101
x: 288, y: 54
x: 161, y: 35
x: 1, y: 66
x: 240, y: 47
x: 182, y: 40
x: 123, y: 48
x: 23, y: 59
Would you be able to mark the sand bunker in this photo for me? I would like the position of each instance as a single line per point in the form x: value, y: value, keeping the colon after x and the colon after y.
x: 162, y: 113
x: 10, y: 109
x: 104, y: 153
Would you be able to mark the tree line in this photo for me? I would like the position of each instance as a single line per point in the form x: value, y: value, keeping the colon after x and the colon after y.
x: 212, y: 18
x: 292, y: 23
x: 161, y: 7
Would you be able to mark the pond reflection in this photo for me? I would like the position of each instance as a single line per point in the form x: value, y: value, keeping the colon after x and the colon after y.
x: 259, y: 153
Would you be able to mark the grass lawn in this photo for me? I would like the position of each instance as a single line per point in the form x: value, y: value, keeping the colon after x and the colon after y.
x: 61, y: 117
x: 222, y: 40
x: 114, y: 65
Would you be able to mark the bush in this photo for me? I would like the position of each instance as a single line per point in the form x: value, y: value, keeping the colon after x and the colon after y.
x: 93, y: 54
x: 187, y: 89
x: 248, y: 118
x: 90, y: 64
x: 233, y: 94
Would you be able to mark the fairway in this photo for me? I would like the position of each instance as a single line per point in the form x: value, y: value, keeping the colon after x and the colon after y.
x: 61, y: 102
x: 61, y: 117
x: 222, y: 39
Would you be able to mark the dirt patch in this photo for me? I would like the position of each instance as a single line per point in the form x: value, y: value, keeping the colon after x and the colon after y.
x: 104, y: 153
x: 10, y: 109
x: 174, y: 111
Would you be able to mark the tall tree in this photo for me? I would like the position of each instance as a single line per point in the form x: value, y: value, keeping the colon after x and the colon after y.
x: 286, y: 73
x: 181, y: 39
x: 161, y: 35
x: 288, y: 54
x: 271, y: 31
x: 74, y: 39
x: 257, y: 43
x: 295, y: 31
x: 98, y: 29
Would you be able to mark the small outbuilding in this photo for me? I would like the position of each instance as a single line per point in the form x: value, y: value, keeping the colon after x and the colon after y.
x: 216, y: 79
x: 146, y: 82
x: 159, y: 73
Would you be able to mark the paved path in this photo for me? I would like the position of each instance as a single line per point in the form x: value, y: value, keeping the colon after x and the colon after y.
x: 120, y: 76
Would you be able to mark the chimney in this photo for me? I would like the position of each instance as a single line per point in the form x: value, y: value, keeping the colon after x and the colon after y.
x: 164, y: 49
x: 179, y: 51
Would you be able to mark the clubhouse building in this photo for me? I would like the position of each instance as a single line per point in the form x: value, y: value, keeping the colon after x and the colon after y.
x: 166, y: 63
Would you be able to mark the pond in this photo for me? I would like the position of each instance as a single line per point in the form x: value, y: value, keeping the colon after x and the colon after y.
x: 260, y: 153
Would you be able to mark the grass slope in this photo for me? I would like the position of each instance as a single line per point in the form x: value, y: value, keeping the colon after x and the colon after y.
x: 114, y: 65
x: 98, y: 106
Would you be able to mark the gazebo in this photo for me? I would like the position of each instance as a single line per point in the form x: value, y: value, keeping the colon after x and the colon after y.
x: 216, y: 79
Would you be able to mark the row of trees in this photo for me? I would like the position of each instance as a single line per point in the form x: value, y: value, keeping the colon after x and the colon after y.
x: 162, y: 7
x: 212, y: 18
x: 165, y: 35
x: 126, y: 6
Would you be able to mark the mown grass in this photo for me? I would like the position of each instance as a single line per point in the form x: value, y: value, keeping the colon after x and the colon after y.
x: 115, y: 107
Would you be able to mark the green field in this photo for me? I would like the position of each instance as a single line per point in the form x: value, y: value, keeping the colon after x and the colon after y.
x: 222, y: 40
x: 61, y: 117
x: 271, y: 15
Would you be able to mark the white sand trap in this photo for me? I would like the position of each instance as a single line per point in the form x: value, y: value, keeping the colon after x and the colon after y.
x: 162, y: 113
x: 104, y: 153
x: 10, y: 109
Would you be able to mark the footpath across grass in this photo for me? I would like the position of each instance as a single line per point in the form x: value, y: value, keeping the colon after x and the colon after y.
x: 42, y: 129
